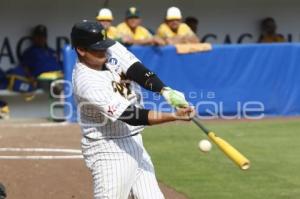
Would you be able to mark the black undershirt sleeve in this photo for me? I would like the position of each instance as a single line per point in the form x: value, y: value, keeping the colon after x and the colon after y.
x: 135, y: 116
x: 144, y: 77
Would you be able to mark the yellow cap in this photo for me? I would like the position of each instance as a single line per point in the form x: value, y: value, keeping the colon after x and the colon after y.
x: 105, y: 14
x: 173, y: 13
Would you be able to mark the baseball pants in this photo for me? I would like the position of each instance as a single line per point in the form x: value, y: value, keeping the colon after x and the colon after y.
x: 121, y: 168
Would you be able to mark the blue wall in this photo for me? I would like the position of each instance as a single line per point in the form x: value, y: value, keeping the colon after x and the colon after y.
x: 229, y: 77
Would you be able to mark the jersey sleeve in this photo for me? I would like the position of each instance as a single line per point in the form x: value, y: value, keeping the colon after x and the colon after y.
x: 119, y: 58
x: 148, y: 33
x: 161, y: 31
x: 185, y: 30
x: 112, y: 33
x: 122, y: 30
x: 27, y: 57
x: 111, y: 104
x: 142, y: 33
x: 164, y: 31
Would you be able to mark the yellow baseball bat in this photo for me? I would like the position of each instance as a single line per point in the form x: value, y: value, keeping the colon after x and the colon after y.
x: 227, y: 148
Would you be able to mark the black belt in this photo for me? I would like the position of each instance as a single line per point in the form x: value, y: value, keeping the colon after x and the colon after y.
x: 112, y: 138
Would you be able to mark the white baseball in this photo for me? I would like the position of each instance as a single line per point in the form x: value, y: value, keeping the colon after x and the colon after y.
x: 204, y: 145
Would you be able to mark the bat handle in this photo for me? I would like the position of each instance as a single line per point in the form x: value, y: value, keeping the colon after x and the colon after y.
x: 197, y: 122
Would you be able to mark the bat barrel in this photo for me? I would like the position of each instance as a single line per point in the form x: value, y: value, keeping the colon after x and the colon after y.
x: 245, y: 166
x: 230, y: 151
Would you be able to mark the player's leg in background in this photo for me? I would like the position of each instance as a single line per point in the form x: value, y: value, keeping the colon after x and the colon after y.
x: 113, y: 164
x: 146, y: 185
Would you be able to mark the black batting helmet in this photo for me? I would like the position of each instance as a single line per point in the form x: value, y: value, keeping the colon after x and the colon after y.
x: 90, y: 35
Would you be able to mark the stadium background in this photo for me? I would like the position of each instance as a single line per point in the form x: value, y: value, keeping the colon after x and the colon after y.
x: 230, y: 17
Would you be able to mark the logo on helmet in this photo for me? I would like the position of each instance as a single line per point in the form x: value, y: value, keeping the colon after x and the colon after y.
x: 132, y: 10
x: 103, y: 32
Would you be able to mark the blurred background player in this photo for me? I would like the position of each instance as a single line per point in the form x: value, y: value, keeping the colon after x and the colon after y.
x: 105, y: 17
x: 269, y: 31
x: 174, y: 31
x: 132, y: 32
x: 4, y: 110
x: 192, y: 22
x: 39, y: 57
x: 3, y: 80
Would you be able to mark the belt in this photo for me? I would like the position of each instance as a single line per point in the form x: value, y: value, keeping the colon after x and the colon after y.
x: 112, y: 138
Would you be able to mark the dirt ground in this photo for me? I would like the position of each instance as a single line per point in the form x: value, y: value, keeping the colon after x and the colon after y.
x: 46, y: 178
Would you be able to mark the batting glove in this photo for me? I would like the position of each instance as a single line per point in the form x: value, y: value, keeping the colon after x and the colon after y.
x: 174, y: 97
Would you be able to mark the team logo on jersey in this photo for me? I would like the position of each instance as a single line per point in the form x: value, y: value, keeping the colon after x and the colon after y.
x: 113, y: 61
x: 122, y: 87
x: 111, y: 109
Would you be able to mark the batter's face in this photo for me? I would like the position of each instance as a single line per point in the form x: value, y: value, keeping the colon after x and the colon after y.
x: 173, y: 24
x: 106, y: 23
x: 92, y: 58
x: 133, y: 22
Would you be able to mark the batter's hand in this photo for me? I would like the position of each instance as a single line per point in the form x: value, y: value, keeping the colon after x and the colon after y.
x: 185, y: 113
x: 174, y: 97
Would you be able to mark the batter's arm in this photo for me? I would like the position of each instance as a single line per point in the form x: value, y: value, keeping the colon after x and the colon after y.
x: 184, y: 114
x: 136, y: 116
x: 144, y: 77
x: 147, y: 79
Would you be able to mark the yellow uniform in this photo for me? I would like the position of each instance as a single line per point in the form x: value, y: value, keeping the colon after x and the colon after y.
x: 164, y: 31
x: 112, y: 33
x: 139, y: 34
x: 272, y: 39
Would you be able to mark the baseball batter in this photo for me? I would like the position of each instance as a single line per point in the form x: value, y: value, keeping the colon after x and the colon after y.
x: 105, y: 84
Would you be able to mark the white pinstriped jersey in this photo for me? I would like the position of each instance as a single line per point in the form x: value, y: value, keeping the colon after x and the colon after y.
x: 102, y: 96
x: 120, y: 167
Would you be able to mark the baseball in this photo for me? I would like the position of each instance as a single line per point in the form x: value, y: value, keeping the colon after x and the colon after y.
x: 204, y: 145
